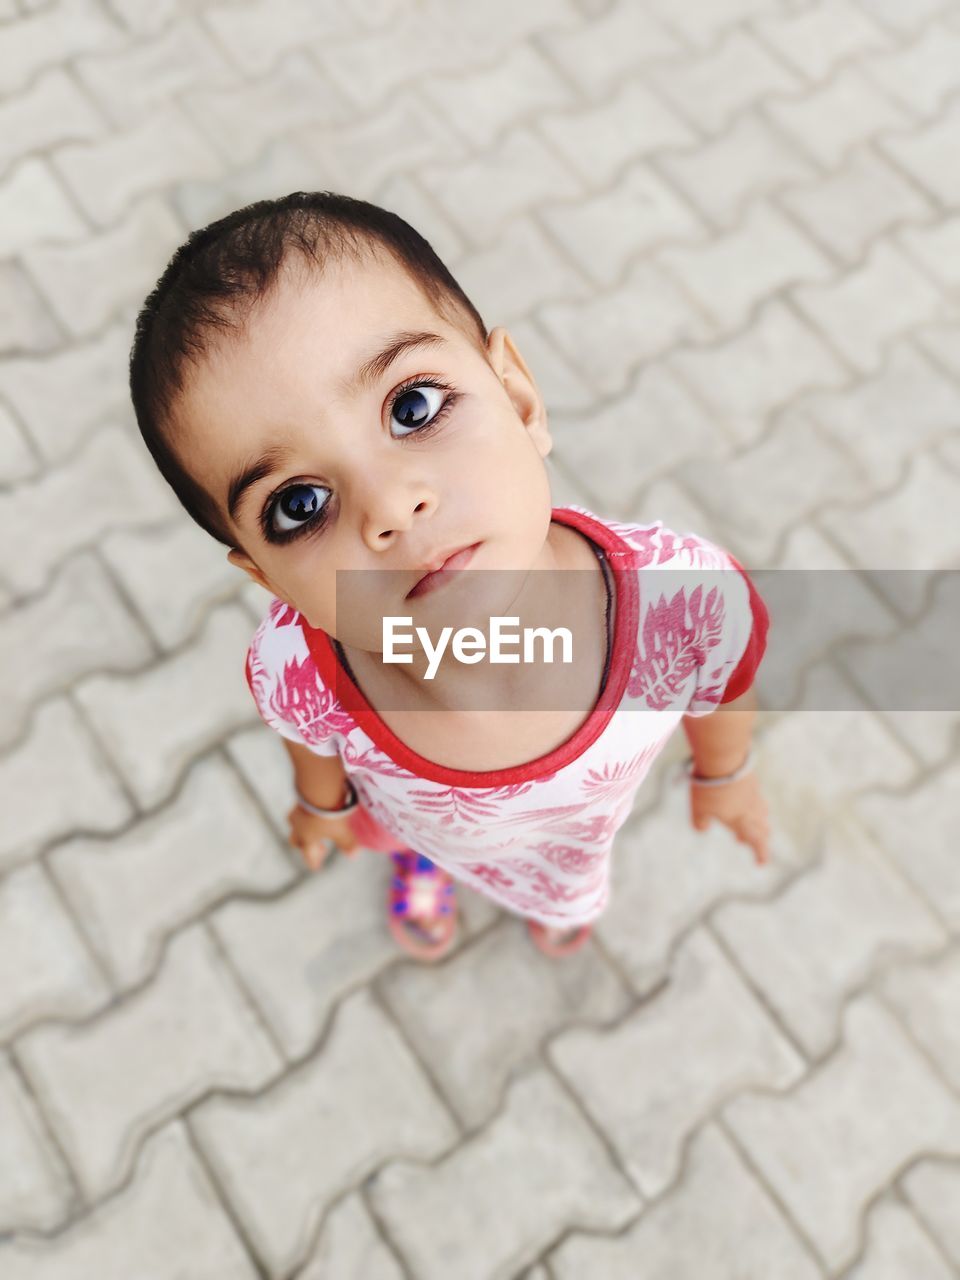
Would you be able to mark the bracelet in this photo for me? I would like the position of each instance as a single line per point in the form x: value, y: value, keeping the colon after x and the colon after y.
x: 352, y: 803
x: 721, y: 781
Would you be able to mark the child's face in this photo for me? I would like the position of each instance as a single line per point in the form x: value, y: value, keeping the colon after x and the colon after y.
x: 369, y: 486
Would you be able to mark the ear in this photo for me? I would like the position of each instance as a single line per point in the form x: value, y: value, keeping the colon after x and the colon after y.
x: 253, y: 570
x: 519, y: 384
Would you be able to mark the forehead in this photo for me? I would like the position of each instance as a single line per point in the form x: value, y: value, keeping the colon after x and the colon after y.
x: 289, y: 364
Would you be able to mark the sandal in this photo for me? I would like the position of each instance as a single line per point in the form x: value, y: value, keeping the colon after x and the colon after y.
x: 423, y: 909
x: 558, y: 942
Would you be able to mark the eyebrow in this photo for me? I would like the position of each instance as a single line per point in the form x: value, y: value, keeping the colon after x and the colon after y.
x: 368, y: 374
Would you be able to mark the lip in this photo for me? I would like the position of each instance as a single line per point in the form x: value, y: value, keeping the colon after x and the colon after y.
x: 448, y: 568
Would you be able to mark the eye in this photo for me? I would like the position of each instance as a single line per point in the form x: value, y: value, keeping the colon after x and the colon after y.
x: 417, y: 405
x: 294, y: 508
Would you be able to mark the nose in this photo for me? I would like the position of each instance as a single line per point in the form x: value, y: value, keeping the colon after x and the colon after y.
x: 390, y: 501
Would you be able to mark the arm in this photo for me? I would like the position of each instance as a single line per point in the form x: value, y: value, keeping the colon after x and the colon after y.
x: 319, y: 779
x: 719, y: 742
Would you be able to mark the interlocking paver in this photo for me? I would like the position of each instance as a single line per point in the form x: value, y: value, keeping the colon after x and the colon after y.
x: 695, y: 1044
x: 837, y: 1139
x: 87, y: 282
x: 105, y: 1083
x: 69, y: 631
x: 35, y: 1188
x: 528, y: 997
x: 747, y: 378
x: 491, y: 1205
x: 718, y: 1222
x: 153, y: 724
x: 135, y: 890
x: 725, y: 235
x: 56, y: 976
x: 933, y: 1189
x: 897, y: 1246
x: 53, y: 781
x: 598, y: 142
x: 281, y: 1156
x: 168, y: 1219
x: 853, y: 898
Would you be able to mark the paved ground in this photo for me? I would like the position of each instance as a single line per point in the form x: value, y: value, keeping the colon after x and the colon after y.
x: 725, y: 235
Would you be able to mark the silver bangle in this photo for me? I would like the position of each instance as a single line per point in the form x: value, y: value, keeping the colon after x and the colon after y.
x: 352, y: 803
x: 718, y: 782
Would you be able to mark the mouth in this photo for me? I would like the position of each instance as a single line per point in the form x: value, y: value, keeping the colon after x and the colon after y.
x: 454, y: 562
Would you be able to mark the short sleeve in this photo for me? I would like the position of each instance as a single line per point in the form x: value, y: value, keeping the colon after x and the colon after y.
x: 283, y: 682
x: 728, y: 625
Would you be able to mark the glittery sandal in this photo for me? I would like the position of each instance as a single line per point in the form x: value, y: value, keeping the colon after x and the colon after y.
x: 569, y: 941
x: 423, y: 908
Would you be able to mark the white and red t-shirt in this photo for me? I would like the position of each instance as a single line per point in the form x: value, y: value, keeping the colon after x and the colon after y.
x: 535, y: 837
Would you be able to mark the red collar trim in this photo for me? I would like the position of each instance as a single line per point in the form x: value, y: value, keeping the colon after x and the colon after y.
x: 622, y: 559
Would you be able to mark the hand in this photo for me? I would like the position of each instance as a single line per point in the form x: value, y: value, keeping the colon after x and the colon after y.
x: 308, y: 833
x: 739, y: 806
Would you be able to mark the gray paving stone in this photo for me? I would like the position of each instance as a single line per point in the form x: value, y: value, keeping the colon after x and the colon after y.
x: 256, y: 35
x: 604, y: 233
x: 933, y: 1189
x: 848, y: 210
x: 34, y: 209
x: 906, y: 406
x: 692, y: 1046
x: 847, y: 109
x: 109, y: 482
x: 563, y: 389
x: 853, y: 898
x: 132, y: 892
x: 892, y: 14
x: 52, y: 110
x: 48, y: 971
x: 77, y: 626
x: 598, y: 142
x: 349, y: 1246
x: 602, y: 53
x: 527, y: 996
x: 26, y: 322
x: 129, y: 83
x: 924, y: 74
x: 60, y: 398
x: 53, y: 782
x: 746, y: 162
x: 666, y: 420
x: 240, y: 120
x: 719, y: 1222
x: 154, y: 724
x: 736, y: 272
x: 519, y: 272
x: 934, y: 248
x: 927, y: 998
x: 174, y: 574
x: 89, y: 282
x: 494, y: 1203
x: 817, y: 37
x: 168, y: 1223
x: 606, y: 337
x: 703, y: 23
x: 50, y: 37
x: 749, y: 377
x: 666, y: 876
x: 35, y: 1188
x: 106, y: 1084
x: 897, y: 1246
x: 916, y: 830
x: 283, y: 166
x: 709, y: 89
x: 489, y: 100
x: 17, y: 459
x: 838, y: 1138
x: 282, y: 1156
x: 298, y: 955
x: 107, y: 177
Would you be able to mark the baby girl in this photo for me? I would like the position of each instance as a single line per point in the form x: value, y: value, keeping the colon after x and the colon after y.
x: 323, y: 397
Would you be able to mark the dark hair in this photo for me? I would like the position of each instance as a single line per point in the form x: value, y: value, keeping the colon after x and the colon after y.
x: 221, y: 271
